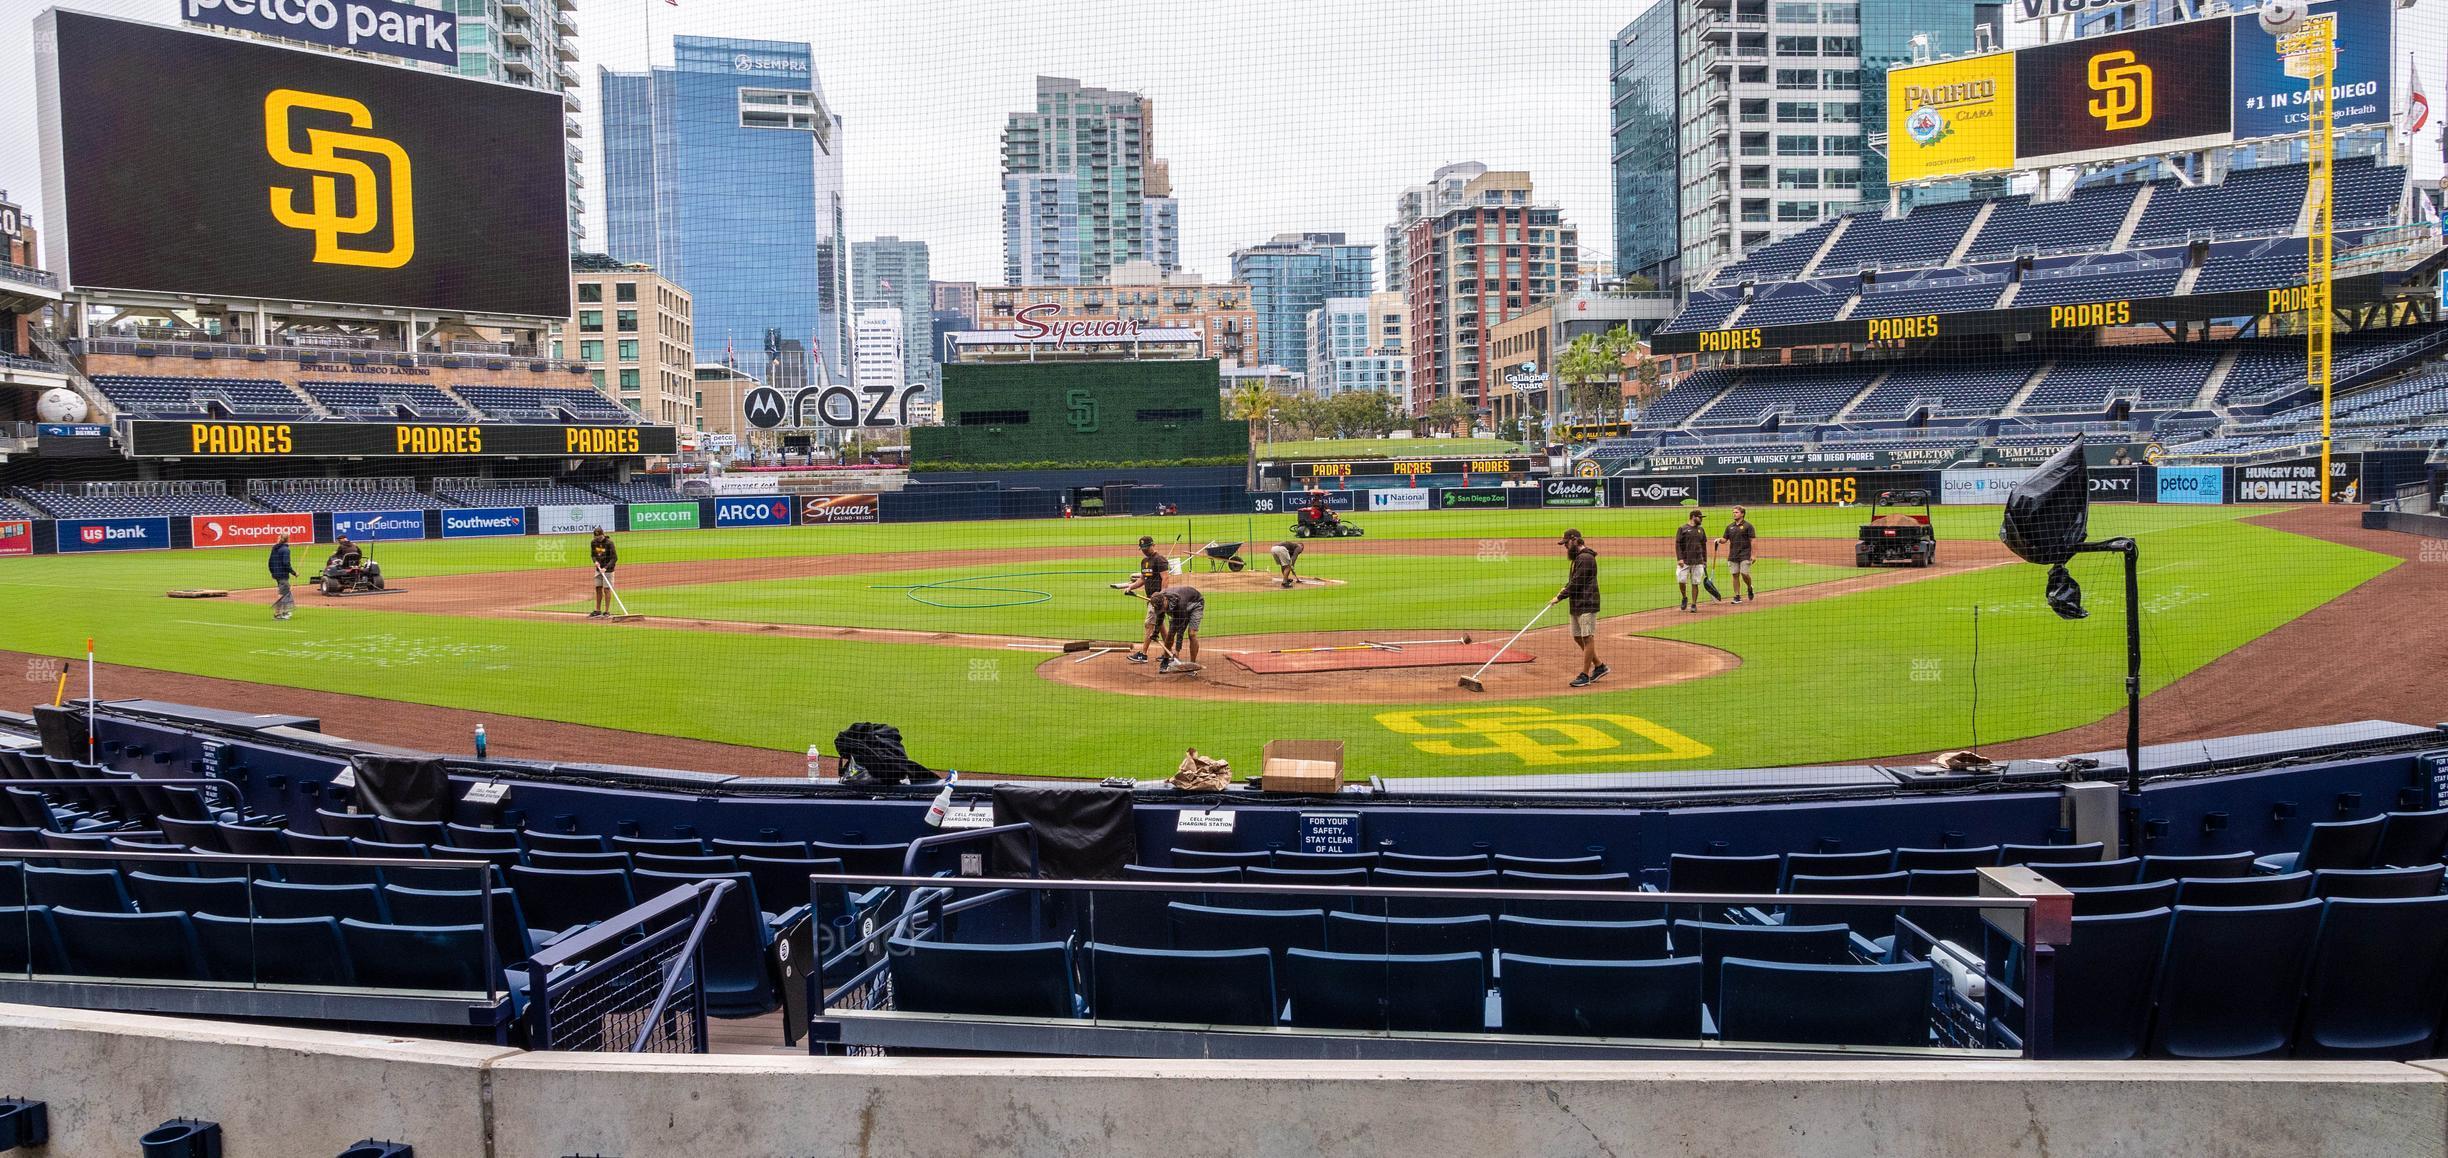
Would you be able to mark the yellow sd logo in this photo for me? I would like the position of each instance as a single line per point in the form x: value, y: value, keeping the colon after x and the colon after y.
x: 2124, y: 88
x: 323, y: 156
x: 1541, y: 736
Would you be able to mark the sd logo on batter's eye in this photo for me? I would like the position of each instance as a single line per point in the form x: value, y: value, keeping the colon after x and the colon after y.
x: 376, y: 201
x: 2124, y: 87
x: 1083, y: 411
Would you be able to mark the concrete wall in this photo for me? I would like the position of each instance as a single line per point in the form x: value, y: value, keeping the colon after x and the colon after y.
x: 110, y: 1077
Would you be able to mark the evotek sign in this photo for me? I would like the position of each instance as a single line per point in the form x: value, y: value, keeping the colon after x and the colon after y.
x: 385, y: 26
x: 761, y: 511
x: 1656, y: 492
x: 248, y: 530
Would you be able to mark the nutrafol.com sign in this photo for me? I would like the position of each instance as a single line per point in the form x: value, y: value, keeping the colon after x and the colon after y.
x: 385, y: 26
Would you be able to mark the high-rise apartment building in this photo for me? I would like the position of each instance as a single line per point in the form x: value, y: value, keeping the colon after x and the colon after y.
x: 881, y: 360
x: 1473, y: 266
x: 635, y: 330
x: 1355, y: 343
x: 533, y: 43
x: 1083, y: 189
x: 955, y: 310
x: 1292, y: 274
x: 724, y: 172
x: 891, y: 273
x: 1442, y: 192
x: 1641, y: 146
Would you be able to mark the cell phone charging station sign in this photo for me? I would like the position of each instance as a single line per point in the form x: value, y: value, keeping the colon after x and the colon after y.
x: 1330, y: 832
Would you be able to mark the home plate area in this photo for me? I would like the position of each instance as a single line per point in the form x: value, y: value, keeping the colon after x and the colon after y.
x: 1362, y: 657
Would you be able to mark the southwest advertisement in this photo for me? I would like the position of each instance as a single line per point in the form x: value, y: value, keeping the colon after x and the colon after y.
x: 484, y: 522
x: 1951, y: 118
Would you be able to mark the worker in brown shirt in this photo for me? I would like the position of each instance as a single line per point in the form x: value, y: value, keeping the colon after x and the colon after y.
x: 1691, y: 548
x: 1580, y: 597
x: 1737, y: 541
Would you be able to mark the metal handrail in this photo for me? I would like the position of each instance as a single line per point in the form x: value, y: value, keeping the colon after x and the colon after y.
x: 615, y: 932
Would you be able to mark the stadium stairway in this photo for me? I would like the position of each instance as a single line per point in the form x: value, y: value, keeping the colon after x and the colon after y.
x: 2133, y: 220
x: 1959, y: 257
x: 1810, y: 268
x: 2217, y: 381
x: 2014, y: 405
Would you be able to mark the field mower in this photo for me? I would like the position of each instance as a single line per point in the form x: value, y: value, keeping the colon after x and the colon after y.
x: 342, y: 578
x: 1898, y: 536
x: 1327, y: 527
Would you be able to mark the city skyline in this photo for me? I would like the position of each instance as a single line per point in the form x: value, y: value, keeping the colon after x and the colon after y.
x: 1249, y: 101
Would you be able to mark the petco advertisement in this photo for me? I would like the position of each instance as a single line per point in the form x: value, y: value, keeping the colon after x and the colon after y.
x: 2191, y: 484
x: 1573, y: 492
x: 77, y: 536
x: 761, y: 511
x: 1980, y: 488
x: 857, y: 508
x: 1635, y: 491
x: 16, y: 538
x: 378, y: 526
x: 1399, y: 499
x: 248, y: 530
x: 577, y: 520
x: 662, y: 516
x: 484, y: 522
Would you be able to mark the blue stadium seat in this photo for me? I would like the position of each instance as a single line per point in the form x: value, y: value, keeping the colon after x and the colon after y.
x: 1689, y: 873
x: 1354, y: 877
x: 1429, y: 993
x: 480, y: 838
x: 95, y: 890
x: 274, y: 951
x: 1224, y: 874
x: 784, y: 881
x: 1867, y: 1005
x: 1910, y: 859
x: 781, y: 849
x: 2379, y: 980
x: 385, y: 850
x: 1200, y: 987
x: 1582, y: 940
x: 868, y: 860
x: 27, y: 943
x: 254, y: 840
x: 653, y: 862
x: 513, y: 940
x: 448, y: 957
x: 2232, y: 981
x: 2106, y: 975
x: 1361, y: 933
x: 1434, y: 906
x: 1576, y: 998
x: 1278, y: 931
x: 2039, y: 854
x: 2378, y: 883
x: 282, y: 899
x: 568, y: 898
x: 1552, y: 865
x: 219, y: 896
x: 2111, y: 900
x: 1591, y: 910
x: 1713, y: 942
x: 1201, y: 858
x: 660, y: 845
x: 2235, y: 892
x: 138, y: 945
x: 1869, y: 921
x: 2413, y: 838
x: 359, y: 825
x: 736, y: 982
x: 587, y: 842
x: 2341, y: 844
x: 2093, y: 874
x: 1838, y: 864
x: 1031, y: 980
x: 582, y: 861
x: 2168, y: 868
x: 1324, y: 860
x: 425, y: 832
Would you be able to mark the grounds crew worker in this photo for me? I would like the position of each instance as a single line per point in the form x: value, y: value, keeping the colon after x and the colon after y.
x: 1580, y: 597
x: 607, y: 558
x: 1737, y: 542
x: 1184, y: 611
x: 1691, y: 549
x: 282, y: 572
x: 1287, y: 553
x: 1153, y: 567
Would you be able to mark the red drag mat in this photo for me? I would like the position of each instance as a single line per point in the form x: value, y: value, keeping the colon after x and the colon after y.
x: 1432, y: 655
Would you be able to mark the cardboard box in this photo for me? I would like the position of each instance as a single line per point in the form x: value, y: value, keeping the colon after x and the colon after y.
x: 1302, y: 766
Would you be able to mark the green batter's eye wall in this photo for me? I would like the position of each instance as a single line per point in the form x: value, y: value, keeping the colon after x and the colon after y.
x: 1080, y: 414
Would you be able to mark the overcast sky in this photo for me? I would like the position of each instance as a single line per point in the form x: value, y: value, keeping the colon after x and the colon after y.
x: 1277, y: 115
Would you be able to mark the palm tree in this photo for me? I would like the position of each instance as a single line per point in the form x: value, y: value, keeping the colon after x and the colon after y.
x: 1591, y: 368
x: 1251, y: 402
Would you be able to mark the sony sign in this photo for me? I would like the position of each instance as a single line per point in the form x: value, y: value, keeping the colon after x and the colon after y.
x: 1038, y: 324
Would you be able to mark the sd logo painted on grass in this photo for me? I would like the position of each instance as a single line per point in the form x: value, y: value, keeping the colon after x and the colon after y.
x: 1539, y: 736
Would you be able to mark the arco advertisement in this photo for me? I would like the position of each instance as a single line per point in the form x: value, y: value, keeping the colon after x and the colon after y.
x: 379, y: 526
x: 759, y: 511
x: 16, y: 537
x: 249, y: 530
x: 663, y: 516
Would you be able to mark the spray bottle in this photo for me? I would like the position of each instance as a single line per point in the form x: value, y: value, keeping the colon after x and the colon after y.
x: 942, y: 805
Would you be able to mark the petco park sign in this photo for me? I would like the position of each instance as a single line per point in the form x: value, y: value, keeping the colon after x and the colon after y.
x: 385, y: 26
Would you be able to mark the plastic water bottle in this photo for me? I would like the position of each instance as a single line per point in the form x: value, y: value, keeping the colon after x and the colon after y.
x: 942, y: 805
x: 815, y: 762
x: 480, y: 742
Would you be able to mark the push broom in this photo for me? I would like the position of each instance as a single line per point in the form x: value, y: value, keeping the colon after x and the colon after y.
x: 617, y: 601
x: 1471, y: 682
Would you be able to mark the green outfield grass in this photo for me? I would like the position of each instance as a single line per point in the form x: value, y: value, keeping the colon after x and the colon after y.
x: 1848, y: 677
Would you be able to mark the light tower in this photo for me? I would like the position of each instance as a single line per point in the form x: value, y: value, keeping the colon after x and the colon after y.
x: 2308, y: 45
